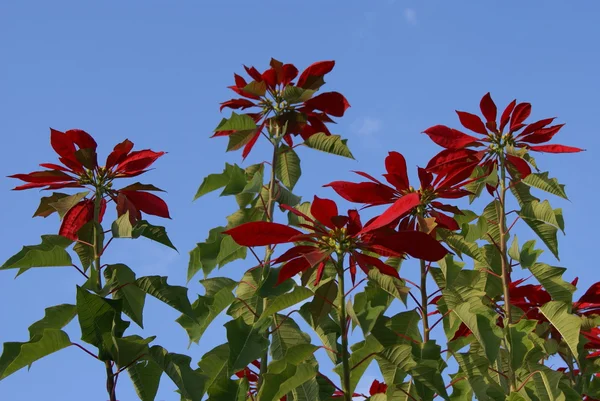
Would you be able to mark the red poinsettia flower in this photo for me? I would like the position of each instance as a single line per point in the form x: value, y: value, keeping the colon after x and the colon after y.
x: 273, y: 97
x: 331, y: 233
x: 77, y: 153
x: 377, y: 388
x: 407, y: 202
x: 461, y: 149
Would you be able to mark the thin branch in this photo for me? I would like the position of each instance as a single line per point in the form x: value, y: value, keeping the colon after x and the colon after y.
x: 353, y: 288
x: 248, y: 306
x: 330, y: 382
x: 416, y: 301
x: 282, y: 321
x: 440, y: 319
x: 526, y: 380
x: 513, y: 223
x: 119, y: 287
x: 129, y: 365
x: 81, y: 271
x: 106, y: 246
x: 85, y: 243
x: 260, y: 262
x: 84, y: 350
x: 363, y: 360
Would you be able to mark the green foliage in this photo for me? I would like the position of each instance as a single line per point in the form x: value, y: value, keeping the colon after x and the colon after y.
x: 333, y: 144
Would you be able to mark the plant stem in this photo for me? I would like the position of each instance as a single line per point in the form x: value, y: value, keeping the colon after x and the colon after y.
x: 505, y: 268
x: 424, y: 301
x: 98, y: 248
x: 270, y: 209
x: 343, y: 326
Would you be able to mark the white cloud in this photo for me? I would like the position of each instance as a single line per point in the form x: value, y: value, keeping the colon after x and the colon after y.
x: 367, y: 127
x: 410, y: 15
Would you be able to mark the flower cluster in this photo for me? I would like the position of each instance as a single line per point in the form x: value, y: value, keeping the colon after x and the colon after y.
x: 76, y: 151
x: 273, y: 99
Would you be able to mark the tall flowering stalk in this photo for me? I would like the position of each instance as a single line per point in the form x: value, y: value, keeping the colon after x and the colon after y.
x: 99, y: 305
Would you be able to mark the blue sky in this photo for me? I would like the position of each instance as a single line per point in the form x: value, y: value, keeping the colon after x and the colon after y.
x: 155, y: 71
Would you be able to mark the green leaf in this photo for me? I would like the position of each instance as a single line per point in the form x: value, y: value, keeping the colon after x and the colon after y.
x: 460, y: 245
x: 522, y: 193
x: 173, y: 295
x: 45, y: 338
x: 190, y: 383
x: 16, y: 356
x: 123, y: 286
x: 295, y: 94
x: 237, y: 122
x: 295, y: 220
x: 546, y: 383
x: 238, y: 140
x: 287, y: 168
x: 207, y: 307
x: 232, y: 179
x: 121, y: 227
x: 285, y: 301
x: 257, y: 88
x: 483, y: 325
x: 127, y: 350
x: 333, y: 144
x: 63, y: 205
x: 50, y: 253
x: 392, y: 285
x: 550, y: 278
x: 568, y: 325
x: 544, y: 221
x: 286, y: 375
x: 369, y: 305
x: 145, y: 376
x: 204, y: 255
x: 543, y: 182
x: 155, y: 233
x: 45, y: 209
x: 362, y: 355
x: 248, y: 297
x: 84, y: 251
x: 215, y: 365
x: 100, y: 321
x: 286, y: 336
x: 246, y: 343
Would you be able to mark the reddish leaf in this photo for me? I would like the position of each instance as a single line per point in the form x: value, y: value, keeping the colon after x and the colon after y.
x: 506, y: 114
x: 488, y: 108
x: 445, y: 221
x: 425, y: 178
x: 124, y: 205
x: 556, y: 149
x: 365, y: 261
x: 76, y: 218
x: 294, y: 253
x: 542, y: 135
x: 261, y: 233
x: 82, y: 139
x: 402, y: 206
x: 53, y: 166
x: 418, y: 245
x: 472, y: 122
x: 520, y: 114
x: 254, y: 74
x: 450, y: 138
x: 377, y: 388
x: 119, y: 153
x: 44, y: 177
x: 297, y: 212
x: 536, y: 126
x: 300, y: 264
x: 363, y: 192
x: 592, y: 295
x: 248, y: 147
x: 354, y: 223
x: 448, y: 157
x: 138, y: 161
x: 313, y: 73
x: 395, y: 165
x: 332, y: 103
x: 148, y: 203
x: 519, y: 164
x: 237, y: 104
x: 65, y: 148
x: 323, y: 210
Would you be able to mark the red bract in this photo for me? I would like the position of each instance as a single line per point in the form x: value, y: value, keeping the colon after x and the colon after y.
x: 377, y: 388
x: 331, y: 233
x: 77, y: 153
x: 272, y: 97
x: 407, y: 202
x: 462, y: 149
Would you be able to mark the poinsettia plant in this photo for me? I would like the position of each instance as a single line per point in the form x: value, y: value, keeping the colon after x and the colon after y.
x: 99, y: 305
x: 486, y: 303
